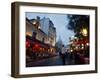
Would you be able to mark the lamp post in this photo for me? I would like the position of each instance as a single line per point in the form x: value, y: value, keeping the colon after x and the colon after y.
x: 84, y: 32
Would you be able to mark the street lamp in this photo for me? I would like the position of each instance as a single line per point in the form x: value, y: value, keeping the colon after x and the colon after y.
x: 87, y: 44
x: 84, y: 32
x: 39, y: 27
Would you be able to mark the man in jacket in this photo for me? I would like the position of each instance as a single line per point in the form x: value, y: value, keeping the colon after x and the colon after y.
x: 63, y: 56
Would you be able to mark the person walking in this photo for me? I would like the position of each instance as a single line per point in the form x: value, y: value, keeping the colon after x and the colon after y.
x: 63, y: 54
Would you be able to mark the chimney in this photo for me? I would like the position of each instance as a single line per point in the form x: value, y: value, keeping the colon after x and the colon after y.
x: 38, y: 18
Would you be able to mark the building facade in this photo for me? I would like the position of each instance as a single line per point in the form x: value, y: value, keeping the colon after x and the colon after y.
x: 44, y: 28
x: 41, y: 42
x: 48, y: 27
x: 30, y: 28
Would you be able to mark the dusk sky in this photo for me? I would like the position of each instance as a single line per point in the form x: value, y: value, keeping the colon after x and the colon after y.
x: 60, y: 22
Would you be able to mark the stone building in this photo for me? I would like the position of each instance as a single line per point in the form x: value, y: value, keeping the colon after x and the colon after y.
x: 33, y: 27
x: 45, y: 40
x: 48, y: 27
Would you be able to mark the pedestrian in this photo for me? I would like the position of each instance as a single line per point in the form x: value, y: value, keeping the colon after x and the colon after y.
x: 63, y: 54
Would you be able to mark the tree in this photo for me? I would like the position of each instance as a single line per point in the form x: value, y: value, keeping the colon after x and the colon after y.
x: 77, y: 23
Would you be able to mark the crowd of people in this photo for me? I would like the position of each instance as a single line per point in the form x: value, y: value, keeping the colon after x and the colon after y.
x: 75, y: 57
